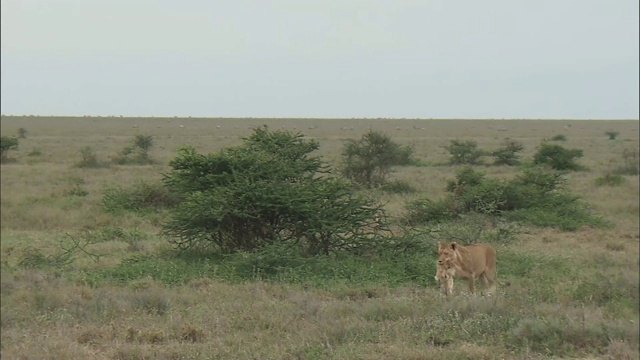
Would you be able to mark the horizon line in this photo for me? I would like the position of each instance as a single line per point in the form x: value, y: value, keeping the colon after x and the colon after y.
x: 307, y: 118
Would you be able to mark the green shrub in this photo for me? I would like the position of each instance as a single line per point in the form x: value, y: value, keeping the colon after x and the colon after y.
x: 266, y: 190
x: 426, y: 211
x: 89, y: 158
x: 557, y: 157
x: 612, y: 134
x: 559, y: 137
x: 464, y: 152
x: 508, y: 154
x: 536, y: 196
x: 368, y: 161
x: 137, y: 153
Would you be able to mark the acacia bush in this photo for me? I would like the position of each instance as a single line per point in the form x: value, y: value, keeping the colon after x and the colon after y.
x: 267, y: 190
x: 535, y: 196
x: 508, y: 153
x: 137, y: 153
x: 369, y: 161
x: 464, y: 152
x: 557, y: 157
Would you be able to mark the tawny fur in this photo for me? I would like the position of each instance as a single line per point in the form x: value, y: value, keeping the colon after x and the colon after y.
x: 470, y: 262
x: 445, y: 272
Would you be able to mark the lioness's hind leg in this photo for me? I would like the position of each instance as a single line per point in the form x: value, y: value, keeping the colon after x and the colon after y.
x: 490, y: 282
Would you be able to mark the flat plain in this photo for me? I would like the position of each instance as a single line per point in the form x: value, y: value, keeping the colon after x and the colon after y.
x: 565, y: 295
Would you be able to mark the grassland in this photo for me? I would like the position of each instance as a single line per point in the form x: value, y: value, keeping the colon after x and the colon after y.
x: 130, y: 296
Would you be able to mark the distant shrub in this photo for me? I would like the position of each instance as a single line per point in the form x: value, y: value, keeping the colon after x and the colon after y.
x: 464, y: 152
x: 508, y: 153
x: 557, y: 157
x: 22, y: 133
x: 610, y: 180
x: 559, y: 137
x: 368, y: 161
x: 612, y: 134
x: 89, y: 158
x: 137, y: 153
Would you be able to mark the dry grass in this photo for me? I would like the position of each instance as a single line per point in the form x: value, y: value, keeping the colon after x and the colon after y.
x: 47, y: 313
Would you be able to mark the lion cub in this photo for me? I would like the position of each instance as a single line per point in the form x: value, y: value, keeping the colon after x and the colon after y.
x: 445, y: 272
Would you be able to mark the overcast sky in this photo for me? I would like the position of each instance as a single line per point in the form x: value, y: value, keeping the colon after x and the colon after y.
x: 322, y: 58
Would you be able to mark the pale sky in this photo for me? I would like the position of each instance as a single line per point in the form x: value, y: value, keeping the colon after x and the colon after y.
x: 569, y: 59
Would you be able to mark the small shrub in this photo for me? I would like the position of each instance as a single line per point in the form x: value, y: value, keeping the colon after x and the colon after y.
x: 559, y: 137
x: 22, y: 133
x: 427, y: 211
x: 137, y: 153
x: 612, y: 134
x: 508, y: 154
x: 610, y: 180
x: 89, y: 158
x: 368, y: 161
x: 557, y: 157
x: 464, y: 152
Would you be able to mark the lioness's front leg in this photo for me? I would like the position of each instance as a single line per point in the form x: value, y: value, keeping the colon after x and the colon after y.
x: 472, y: 281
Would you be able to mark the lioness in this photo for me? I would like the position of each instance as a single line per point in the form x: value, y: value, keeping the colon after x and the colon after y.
x: 470, y: 262
x: 445, y: 272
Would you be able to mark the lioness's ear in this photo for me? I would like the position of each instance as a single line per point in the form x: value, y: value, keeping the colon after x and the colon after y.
x: 440, y: 245
x: 453, y: 245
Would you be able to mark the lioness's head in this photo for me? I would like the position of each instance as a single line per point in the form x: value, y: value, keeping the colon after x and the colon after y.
x: 446, y: 253
x: 444, y: 270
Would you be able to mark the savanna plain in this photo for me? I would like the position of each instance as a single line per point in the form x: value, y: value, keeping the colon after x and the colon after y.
x: 80, y: 281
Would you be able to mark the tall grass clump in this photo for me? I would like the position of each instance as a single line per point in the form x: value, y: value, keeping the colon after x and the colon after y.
x: 139, y: 197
